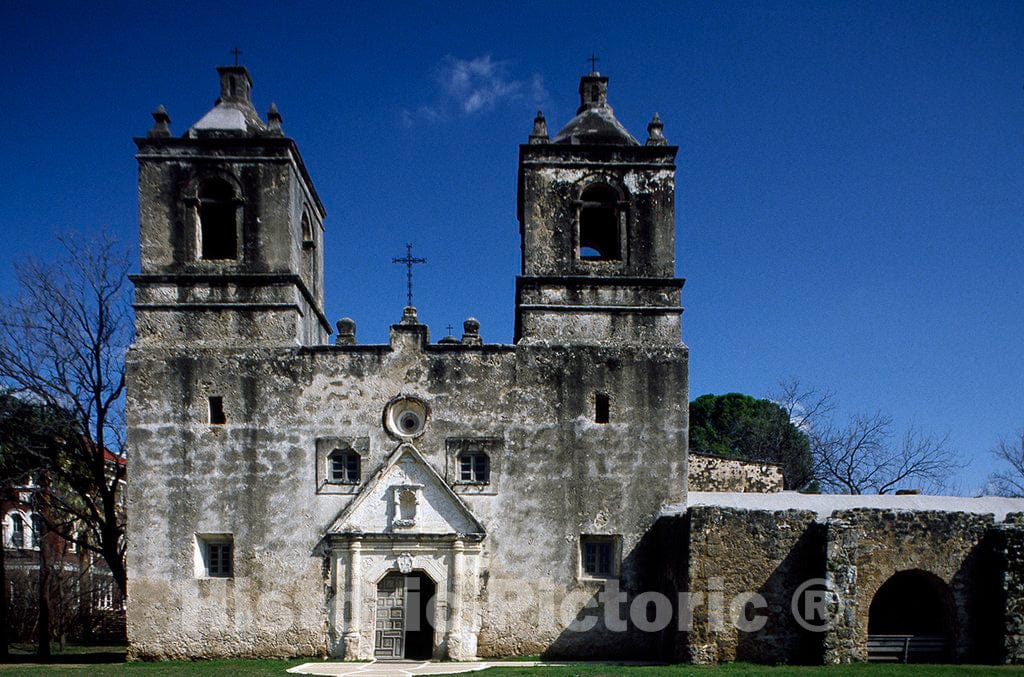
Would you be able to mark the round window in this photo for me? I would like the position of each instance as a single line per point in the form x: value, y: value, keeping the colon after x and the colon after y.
x: 405, y: 417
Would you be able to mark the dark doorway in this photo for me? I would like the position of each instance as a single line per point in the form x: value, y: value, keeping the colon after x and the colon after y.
x: 419, y: 628
x: 404, y: 627
x: 911, y: 619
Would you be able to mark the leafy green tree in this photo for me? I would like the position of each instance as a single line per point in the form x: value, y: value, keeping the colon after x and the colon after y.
x: 742, y: 427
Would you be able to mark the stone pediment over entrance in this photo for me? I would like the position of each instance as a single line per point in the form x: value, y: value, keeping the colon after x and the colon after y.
x: 406, y: 497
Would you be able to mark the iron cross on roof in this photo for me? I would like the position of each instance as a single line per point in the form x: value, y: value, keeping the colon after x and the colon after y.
x: 236, y: 52
x: 593, y: 63
x: 408, y: 261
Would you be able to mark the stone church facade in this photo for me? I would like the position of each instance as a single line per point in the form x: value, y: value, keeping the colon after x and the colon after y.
x: 292, y: 495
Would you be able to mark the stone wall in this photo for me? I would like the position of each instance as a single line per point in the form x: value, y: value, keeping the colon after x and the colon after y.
x: 975, y: 564
x: 558, y: 475
x: 867, y: 547
x: 732, y: 554
x: 716, y: 473
x: 1013, y: 581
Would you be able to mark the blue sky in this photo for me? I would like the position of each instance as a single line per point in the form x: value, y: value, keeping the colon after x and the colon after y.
x: 850, y: 182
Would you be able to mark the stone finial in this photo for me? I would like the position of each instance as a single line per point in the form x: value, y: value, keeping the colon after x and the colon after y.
x: 471, y: 332
x: 346, y: 332
x: 274, y: 121
x: 409, y: 316
x: 656, y: 132
x: 161, y: 123
x: 540, y: 129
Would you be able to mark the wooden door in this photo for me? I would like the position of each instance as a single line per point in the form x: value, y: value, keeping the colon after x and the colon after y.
x: 389, y: 629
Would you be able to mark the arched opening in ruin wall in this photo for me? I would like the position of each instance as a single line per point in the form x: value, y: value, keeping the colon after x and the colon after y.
x: 911, y: 619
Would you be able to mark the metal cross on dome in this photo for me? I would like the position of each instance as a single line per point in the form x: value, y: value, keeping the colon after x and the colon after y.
x: 408, y: 262
x: 236, y: 52
x: 593, y: 63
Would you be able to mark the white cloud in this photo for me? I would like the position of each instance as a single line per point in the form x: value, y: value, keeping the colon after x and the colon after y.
x: 472, y: 86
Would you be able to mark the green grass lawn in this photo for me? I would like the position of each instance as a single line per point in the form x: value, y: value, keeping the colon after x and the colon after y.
x: 747, y: 669
x: 104, y: 661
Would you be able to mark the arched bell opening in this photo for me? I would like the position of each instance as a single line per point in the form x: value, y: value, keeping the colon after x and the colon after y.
x: 599, y: 227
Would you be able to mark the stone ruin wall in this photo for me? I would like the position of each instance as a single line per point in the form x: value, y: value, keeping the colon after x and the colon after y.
x: 1011, y: 539
x: 716, y: 473
x: 731, y: 551
x: 866, y: 547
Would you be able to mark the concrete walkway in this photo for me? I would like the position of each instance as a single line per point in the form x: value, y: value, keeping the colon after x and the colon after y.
x: 403, y: 668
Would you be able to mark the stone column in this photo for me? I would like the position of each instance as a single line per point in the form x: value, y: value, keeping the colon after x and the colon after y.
x: 1013, y: 590
x: 841, y: 642
x: 355, y: 600
x: 454, y: 637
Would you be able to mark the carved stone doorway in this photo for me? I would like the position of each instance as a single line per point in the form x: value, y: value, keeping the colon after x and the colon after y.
x: 404, y: 623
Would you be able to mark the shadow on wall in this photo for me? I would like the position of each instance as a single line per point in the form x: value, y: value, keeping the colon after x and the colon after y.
x: 593, y: 639
x: 978, y: 595
x: 970, y: 613
x: 782, y: 639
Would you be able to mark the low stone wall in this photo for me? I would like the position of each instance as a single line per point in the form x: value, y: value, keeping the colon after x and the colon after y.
x: 734, y: 553
x: 715, y: 473
x: 744, y: 568
x: 866, y: 547
x: 1013, y: 597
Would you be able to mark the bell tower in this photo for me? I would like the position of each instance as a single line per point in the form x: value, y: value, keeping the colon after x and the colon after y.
x: 231, y: 230
x: 597, y: 221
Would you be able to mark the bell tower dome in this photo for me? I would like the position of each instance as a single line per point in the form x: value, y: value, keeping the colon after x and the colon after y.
x: 597, y: 221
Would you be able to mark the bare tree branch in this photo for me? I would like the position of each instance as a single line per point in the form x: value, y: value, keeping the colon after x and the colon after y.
x: 1009, y: 481
x: 63, y: 340
x: 863, y: 455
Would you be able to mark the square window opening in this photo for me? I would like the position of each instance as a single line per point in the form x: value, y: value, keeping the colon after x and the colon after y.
x: 344, y: 466
x: 599, y: 556
x: 474, y: 468
x: 215, y: 556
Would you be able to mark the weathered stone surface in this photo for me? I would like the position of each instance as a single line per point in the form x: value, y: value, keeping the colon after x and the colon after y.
x: 327, y: 469
x: 1009, y: 541
x: 734, y: 552
x: 714, y: 473
x: 249, y: 331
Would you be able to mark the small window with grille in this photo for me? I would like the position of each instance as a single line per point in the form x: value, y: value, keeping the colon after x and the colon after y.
x: 474, y: 468
x: 599, y: 556
x: 343, y: 466
x: 216, y: 556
